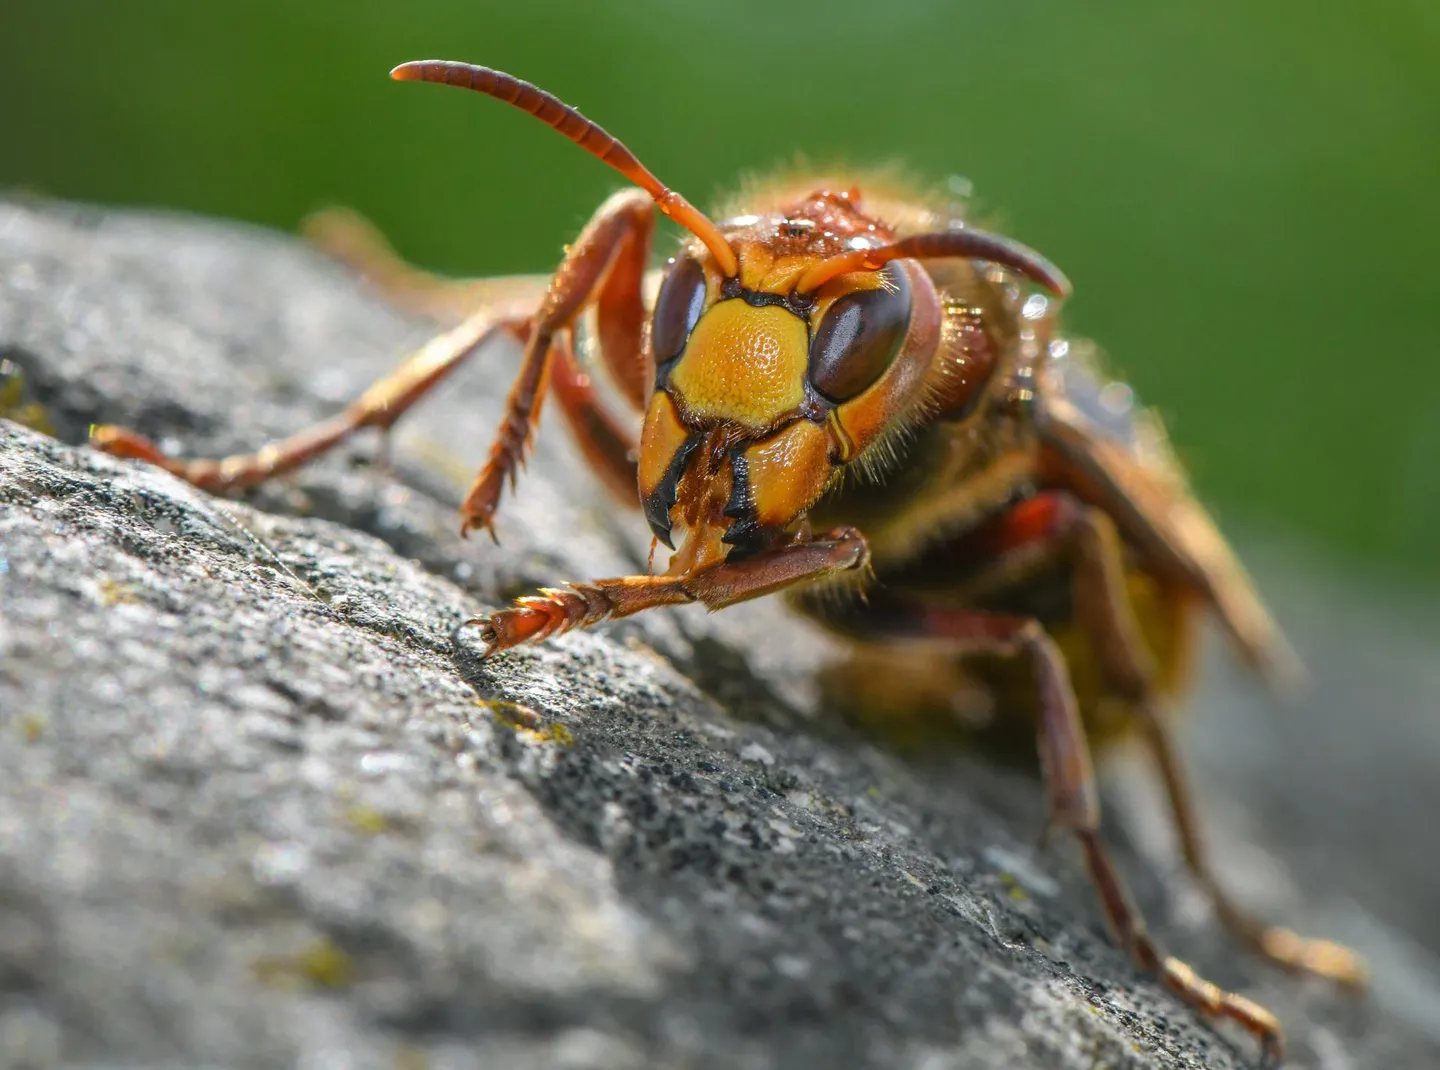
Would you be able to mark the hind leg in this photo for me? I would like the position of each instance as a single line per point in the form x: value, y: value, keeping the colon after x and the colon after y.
x: 1055, y: 528
x: 1087, y: 538
x: 1106, y: 612
x: 1070, y: 782
x: 357, y: 243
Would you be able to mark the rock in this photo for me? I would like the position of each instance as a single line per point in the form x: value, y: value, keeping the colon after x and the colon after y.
x: 258, y: 807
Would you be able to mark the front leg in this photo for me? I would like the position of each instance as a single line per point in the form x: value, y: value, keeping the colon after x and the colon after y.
x: 578, y: 605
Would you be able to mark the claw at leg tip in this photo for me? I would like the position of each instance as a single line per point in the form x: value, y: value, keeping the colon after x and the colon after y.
x: 472, y: 523
x: 488, y: 636
x: 467, y: 526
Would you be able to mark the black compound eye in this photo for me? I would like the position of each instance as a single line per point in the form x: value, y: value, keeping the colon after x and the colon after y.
x: 677, y: 309
x: 859, y: 337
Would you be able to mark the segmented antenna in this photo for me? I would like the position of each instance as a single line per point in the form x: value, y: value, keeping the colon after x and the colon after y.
x: 961, y: 242
x: 588, y: 135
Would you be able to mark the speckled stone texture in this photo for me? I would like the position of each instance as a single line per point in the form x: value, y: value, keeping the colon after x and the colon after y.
x: 258, y: 808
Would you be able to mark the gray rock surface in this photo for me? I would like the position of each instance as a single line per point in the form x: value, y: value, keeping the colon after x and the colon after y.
x: 258, y: 809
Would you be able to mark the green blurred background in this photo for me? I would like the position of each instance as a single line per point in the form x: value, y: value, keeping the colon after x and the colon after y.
x: 1246, y: 195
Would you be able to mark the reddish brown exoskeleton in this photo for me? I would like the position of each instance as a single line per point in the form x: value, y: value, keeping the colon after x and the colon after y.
x: 851, y: 399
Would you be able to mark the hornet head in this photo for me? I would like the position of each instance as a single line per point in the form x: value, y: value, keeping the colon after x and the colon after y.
x: 784, y: 345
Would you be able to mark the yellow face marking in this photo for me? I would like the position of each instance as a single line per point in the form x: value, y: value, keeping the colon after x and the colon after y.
x: 755, y: 263
x: 788, y: 472
x: 761, y: 270
x: 743, y: 364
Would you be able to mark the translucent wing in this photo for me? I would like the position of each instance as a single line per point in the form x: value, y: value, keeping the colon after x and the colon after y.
x: 1116, y: 454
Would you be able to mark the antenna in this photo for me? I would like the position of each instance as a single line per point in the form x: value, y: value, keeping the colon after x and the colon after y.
x: 588, y: 135
x: 960, y: 242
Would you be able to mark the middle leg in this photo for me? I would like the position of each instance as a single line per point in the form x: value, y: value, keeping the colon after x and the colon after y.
x: 379, y: 407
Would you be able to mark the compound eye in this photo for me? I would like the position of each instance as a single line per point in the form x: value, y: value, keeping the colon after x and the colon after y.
x: 677, y: 309
x: 859, y: 337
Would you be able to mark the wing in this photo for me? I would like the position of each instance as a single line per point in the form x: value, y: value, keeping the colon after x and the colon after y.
x: 1111, y: 451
